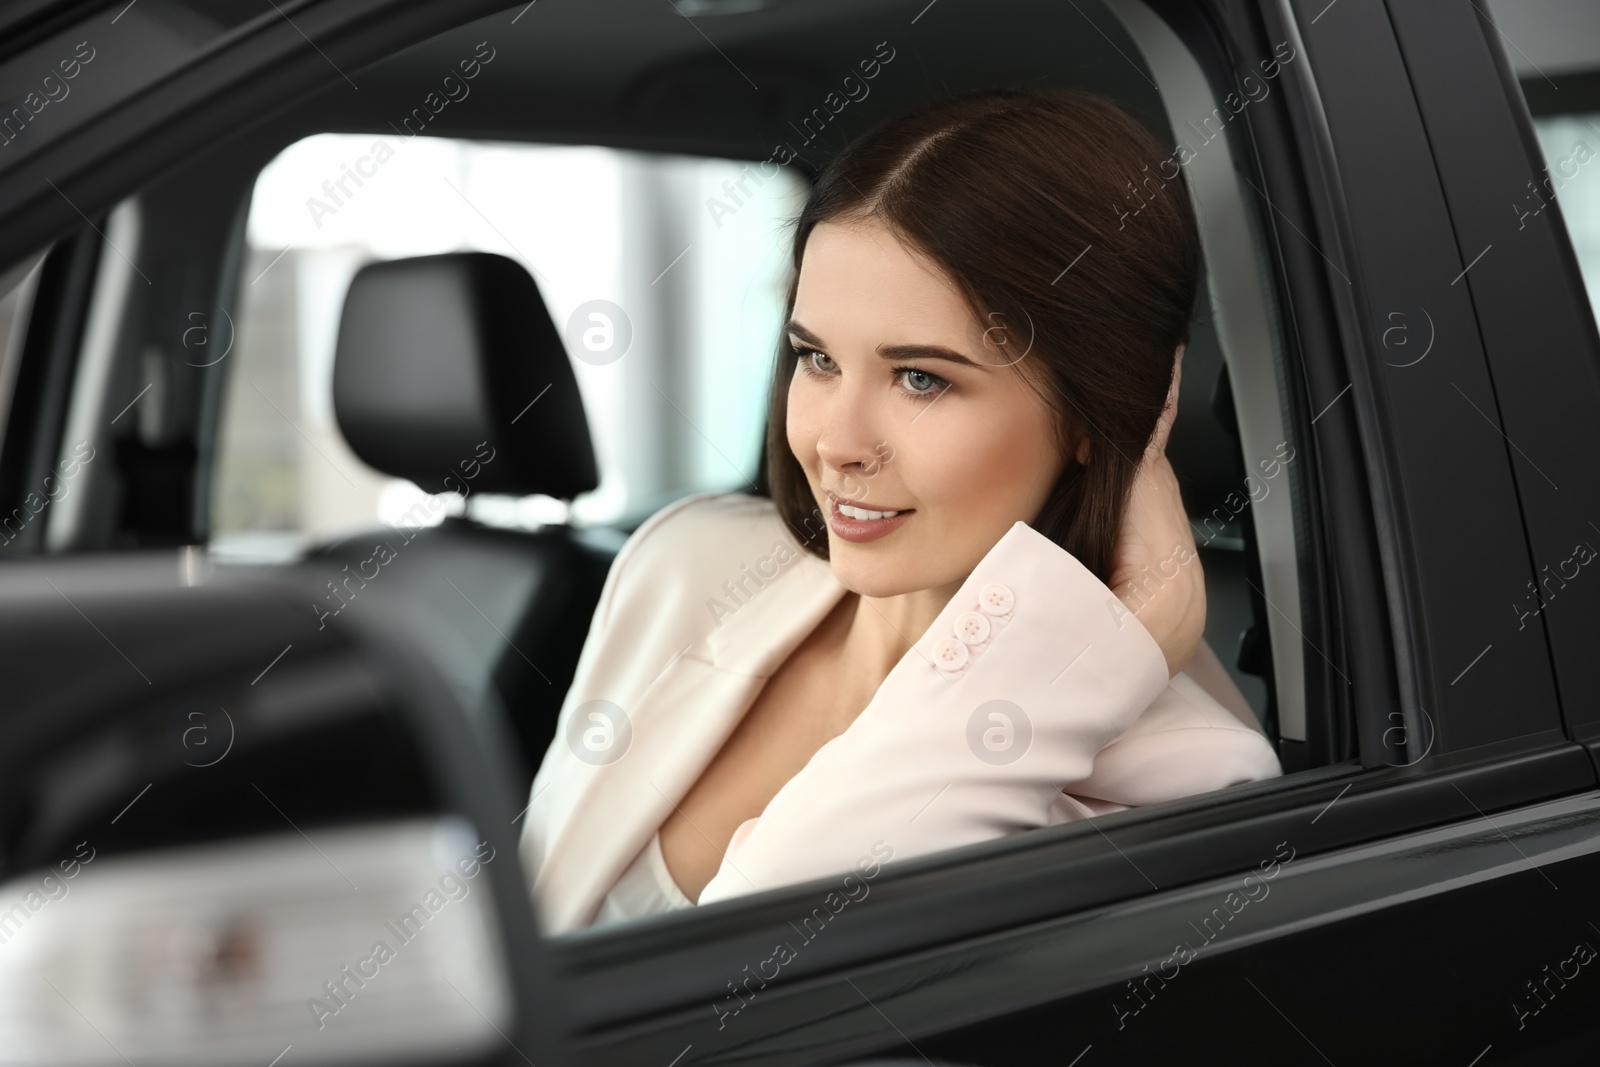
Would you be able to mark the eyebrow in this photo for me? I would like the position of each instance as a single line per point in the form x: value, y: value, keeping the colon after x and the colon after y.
x: 890, y: 352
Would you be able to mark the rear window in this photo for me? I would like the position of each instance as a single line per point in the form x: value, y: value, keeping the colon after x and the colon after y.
x: 682, y: 259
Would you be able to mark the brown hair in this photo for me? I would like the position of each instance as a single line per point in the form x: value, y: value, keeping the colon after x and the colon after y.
x: 1049, y: 212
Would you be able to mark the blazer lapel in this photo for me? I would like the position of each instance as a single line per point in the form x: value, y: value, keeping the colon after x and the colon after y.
x: 679, y: 723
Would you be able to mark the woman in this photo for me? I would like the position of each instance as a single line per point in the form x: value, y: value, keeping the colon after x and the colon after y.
x: 970, y: 604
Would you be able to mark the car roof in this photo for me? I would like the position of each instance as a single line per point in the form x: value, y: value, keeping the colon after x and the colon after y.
x: 637, y: 74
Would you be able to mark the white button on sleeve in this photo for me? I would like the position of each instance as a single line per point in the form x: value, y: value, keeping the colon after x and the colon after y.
x: 950, y: 655
x: 972, y: 628
x: 996, y: 599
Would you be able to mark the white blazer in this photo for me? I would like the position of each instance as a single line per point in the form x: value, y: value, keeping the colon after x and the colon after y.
x: 1034, y: 698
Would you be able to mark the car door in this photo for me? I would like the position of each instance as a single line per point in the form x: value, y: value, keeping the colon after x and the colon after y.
x: 1471, y: 808
x: 1468, y: 802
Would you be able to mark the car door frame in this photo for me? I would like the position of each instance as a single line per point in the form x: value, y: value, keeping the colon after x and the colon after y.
x: 1526, y: 288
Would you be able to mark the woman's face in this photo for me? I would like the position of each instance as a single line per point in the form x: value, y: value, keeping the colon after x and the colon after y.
x: 897, y: 404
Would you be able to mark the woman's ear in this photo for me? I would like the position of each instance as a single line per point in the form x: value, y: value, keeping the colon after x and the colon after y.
x: 1083, y: 450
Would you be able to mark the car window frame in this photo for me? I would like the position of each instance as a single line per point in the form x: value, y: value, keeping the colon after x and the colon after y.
x: 1423, y: 542
x: 1534, y: 280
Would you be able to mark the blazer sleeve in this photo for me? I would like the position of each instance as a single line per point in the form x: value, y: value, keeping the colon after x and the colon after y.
x: 1185, y: 743
x: 1031, y: 670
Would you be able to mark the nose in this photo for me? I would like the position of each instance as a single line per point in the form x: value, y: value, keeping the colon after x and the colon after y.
x: 851, y: 440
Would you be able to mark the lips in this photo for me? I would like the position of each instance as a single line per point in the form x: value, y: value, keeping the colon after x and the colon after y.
x: 864, y: 522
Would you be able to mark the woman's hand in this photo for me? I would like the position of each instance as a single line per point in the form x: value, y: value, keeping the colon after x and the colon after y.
x: 1156, y: 569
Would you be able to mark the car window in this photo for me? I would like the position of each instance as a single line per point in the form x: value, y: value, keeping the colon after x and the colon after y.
x: 1238, y: 454
x: 633, y: 253
x: 1554, y: 49
x: 679, y: 258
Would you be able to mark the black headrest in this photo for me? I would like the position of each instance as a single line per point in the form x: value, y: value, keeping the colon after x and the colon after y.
x: 449, y: 372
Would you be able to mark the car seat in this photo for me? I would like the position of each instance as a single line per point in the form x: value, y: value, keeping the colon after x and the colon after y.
x: 449, y: 372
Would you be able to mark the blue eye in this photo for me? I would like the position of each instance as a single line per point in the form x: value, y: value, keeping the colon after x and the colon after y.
x: 918, y: 384
x: 807, y: 358
x: 921, y: 385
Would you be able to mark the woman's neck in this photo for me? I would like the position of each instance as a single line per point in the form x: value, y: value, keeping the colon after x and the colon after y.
x: 875, y: 633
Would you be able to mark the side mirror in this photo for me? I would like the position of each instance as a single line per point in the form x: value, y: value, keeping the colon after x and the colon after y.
x: 205, y: 861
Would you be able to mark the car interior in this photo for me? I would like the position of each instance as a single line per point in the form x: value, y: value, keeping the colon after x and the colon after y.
x: 435, y: 353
